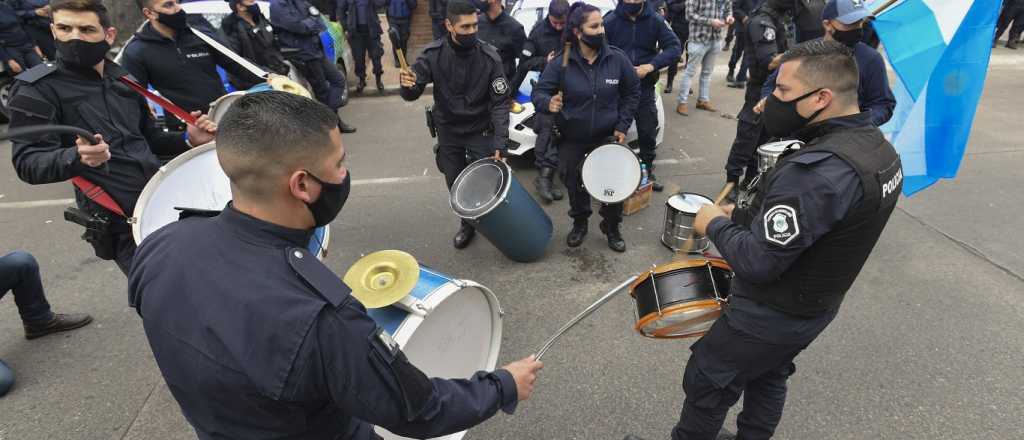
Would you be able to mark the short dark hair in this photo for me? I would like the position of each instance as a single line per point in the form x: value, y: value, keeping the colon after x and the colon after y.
x: 826, y: 64
x: 94, y: 6
x: 265, y: 134
x: 458, y: 8
x: 558, y: 8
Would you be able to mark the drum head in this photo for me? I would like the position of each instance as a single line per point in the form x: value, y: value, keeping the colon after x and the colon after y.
x: 689, y: 203
x: 459, y: 336
x: 611, y: 173
x: 777, y: 147
x: 219, y: 107
x: 480, y: 188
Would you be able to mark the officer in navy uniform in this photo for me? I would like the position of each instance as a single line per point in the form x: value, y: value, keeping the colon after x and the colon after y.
x: 287, y: 352
x: 764, y: 39
x: 799, y: 247
x: 470, y: 97
x: 81, y: 89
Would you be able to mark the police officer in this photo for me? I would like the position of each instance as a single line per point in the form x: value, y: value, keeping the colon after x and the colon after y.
x: 798, y: 249
x: 399, y: 13
x: 288, y: 353
x: 470, y: 97
x: 82, y: 89
x: 362, y: 28
x: 182, y: 67
x: 594, y: 98
x: 298, y: 26
x: 250, y: 35
x: 35, y: 20
x: 648, y: 40
x: 741, y: 10
x: 19, y: 273
x: 763, y: 41
x: 17, y: 50
x: 806, y: 15
x: 676, y: 17
x: 544, y: 41
x: 437, y: 10
x: 505, y: 33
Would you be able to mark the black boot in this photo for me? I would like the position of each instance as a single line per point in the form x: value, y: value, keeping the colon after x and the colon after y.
x: 380, y: 85
x: 464, y: 236
x: 543, y: 184
x: 59, y: 323
x: 556, y: 193
x: 657, y: 187
x: 361, y: 85
x: 578, y: 232
x: 615, y: 241
x: 730, y: 78
x: 345, y: 128
x: 1011, y: 43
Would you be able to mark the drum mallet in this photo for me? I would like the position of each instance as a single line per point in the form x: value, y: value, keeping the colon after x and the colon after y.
x: 600, y: 302
x: 688, y: 244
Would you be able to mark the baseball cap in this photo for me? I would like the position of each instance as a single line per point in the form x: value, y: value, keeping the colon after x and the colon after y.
x: 845, y: 11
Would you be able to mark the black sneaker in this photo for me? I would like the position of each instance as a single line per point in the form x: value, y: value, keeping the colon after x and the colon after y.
x: 59, y: 323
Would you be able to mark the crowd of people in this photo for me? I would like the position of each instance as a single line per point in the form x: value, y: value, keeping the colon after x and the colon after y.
x: 304, y: 360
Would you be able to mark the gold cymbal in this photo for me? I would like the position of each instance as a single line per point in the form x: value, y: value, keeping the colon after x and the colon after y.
x: 285, y: 84
x: 383, y: 278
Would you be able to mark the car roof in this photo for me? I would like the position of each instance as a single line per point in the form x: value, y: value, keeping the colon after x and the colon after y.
x: 528, y: 12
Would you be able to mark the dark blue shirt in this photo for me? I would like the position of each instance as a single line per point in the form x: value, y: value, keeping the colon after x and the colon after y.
x: 257, y: 339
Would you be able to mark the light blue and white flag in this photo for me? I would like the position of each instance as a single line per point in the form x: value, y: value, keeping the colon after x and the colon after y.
x: 940, y: 51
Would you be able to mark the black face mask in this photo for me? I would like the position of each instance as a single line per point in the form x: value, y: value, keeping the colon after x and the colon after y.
x: 464, y: 42
x: 82, y: 53
x: 596, y: 41
x: 332, y: 197
x: 849, y: 38
x: 632, y: 8
x: 781, y: 118
x: 177, y: 21
x: 253, y: 9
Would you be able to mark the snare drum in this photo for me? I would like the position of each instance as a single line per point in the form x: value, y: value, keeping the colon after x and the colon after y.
x: 193, y: 180
x: 681, y: 299
x: 611, y: 173
x: 768, y: 154
x: 219, y: 107
x: 680, y: 212
x: 456, y: 332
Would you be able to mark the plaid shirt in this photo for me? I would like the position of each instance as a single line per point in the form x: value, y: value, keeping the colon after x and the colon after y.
x: 700, y: 13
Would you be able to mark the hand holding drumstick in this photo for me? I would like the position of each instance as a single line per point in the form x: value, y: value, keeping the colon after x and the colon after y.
x: 704, y: 217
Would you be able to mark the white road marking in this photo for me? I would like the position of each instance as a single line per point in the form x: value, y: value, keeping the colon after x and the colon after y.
x: 36, y: 203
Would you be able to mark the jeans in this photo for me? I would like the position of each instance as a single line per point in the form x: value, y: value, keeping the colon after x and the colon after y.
x: 703, y: 53
x: 20, y: 272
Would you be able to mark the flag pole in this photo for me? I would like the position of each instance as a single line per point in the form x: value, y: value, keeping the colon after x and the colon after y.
x: 884, y: 7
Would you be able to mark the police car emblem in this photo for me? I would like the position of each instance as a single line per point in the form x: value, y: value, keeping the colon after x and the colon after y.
x: 769, y: 34
x: 780, y: 225
x: 500, y: 86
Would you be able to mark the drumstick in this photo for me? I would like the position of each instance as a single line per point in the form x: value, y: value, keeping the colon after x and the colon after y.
x: 688, y: 244
x: 600, y: 302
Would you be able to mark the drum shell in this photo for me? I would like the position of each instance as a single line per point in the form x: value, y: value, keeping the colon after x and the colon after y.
x: 679, y: 286
x: 679, y: 226
x: 516, y: 225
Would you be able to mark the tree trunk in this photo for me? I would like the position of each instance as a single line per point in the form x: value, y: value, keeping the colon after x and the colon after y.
x: 125, y: 16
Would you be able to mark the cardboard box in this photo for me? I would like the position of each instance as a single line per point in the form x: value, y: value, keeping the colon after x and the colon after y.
x: 639, y: 200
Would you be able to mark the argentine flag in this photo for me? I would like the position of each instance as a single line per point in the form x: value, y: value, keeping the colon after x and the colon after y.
x: 940, y: 51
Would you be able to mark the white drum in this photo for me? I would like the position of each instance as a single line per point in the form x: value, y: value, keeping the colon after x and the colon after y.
x: 457, y: 334
x: 193, y: 180
x: 611, y: 173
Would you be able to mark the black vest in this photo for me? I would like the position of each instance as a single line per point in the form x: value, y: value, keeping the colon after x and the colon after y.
x: 819, y: 279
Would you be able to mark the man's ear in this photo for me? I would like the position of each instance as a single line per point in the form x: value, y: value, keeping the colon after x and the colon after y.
x: 111, y: 35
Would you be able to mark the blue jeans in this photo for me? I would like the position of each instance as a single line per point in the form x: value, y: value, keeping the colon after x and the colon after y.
x: 703, y: 53
x: 20, y: 272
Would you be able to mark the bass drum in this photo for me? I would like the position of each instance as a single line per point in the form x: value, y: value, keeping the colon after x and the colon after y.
x: 193, y: 180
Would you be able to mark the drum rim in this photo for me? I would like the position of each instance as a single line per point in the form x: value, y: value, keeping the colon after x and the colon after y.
x: 680, y: 193
x: 506, y: 186
x: 155, y: 181
x: 672, y: 309
x: 690, y: 263
x: 233, y: 96
x: 786, y: 143
x: 613, y: 145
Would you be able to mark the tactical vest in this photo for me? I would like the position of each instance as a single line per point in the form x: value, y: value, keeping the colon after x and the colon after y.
x: 819, y: 279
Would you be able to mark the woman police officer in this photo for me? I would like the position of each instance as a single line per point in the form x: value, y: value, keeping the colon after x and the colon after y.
x: 594, y: 98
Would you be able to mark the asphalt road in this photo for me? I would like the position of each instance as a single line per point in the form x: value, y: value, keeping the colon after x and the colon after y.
x: 929, y: 343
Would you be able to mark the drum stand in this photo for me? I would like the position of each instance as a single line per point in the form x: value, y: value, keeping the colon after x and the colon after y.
x: 597, y: 304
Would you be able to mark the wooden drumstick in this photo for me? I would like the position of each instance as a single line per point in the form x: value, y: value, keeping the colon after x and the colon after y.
x: 681, y: 254
x: 401, y: 58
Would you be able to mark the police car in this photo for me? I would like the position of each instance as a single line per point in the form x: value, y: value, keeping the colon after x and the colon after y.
x: 520, y: 132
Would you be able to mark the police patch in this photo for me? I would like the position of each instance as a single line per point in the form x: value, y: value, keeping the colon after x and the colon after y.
x: 769, y: 34
x: 780, y: 225
x: 499, y: 86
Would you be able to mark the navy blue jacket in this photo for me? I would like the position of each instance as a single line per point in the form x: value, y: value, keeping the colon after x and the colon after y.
x: 648, y: 40
x: 598, y: 98
x: 298, y: 26
x: 11, y: 33
x: 288, y: 354
x: 873, y: 92
x: 401, y: 9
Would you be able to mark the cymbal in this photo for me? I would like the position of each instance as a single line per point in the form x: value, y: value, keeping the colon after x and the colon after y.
x: 285, y: 84
x: 383, y: 278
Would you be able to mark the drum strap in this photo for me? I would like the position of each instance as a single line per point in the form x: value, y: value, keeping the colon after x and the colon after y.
x: 97, y: 194
x: 164, y: 103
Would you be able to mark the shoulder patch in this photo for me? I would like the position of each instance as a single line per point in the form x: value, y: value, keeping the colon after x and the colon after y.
x: 781, y: 225
x: 769, y: 34
x: 499, y: 86
x: 38, y: 72
x: 29, y: 101
x: 317, y: 276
